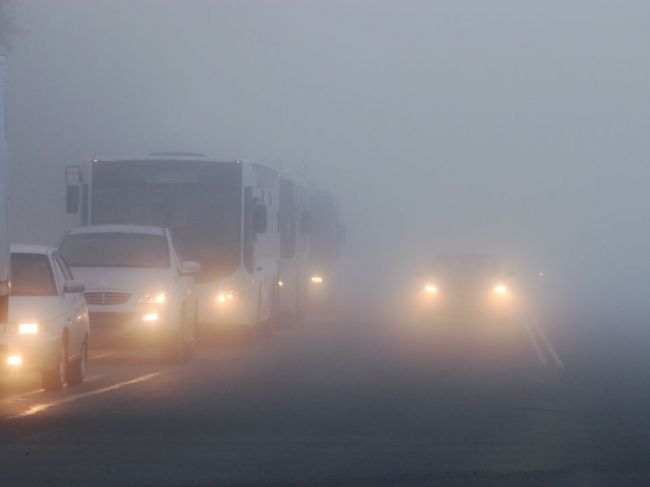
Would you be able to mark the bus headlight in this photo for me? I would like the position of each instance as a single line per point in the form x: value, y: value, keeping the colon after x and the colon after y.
x: 28, y: 328
x: 225, y: 296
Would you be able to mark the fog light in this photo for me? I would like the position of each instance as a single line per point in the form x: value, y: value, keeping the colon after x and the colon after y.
x: 14, y: 360
x: 151, y: 317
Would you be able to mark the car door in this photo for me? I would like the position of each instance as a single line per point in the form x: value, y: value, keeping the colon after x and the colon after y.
x: 75, y: 304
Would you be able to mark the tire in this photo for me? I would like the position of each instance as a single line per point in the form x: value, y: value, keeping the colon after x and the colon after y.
x: 54, y: 379
x: 76, y: 371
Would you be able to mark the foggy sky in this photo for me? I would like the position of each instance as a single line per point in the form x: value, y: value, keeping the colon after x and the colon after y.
x: 518, y: 127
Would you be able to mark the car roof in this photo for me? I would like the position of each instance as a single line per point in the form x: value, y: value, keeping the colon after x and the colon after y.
x: 31, y: 249
x: 132, y: 229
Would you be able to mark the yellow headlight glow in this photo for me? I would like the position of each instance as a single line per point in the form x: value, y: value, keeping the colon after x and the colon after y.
x: 150, y: 317
x: 225, y: 296
x: 500, y: 289
x: 430, y: 289
x: 14, y: 360
x: 28, y: 328
x: 316, y: 279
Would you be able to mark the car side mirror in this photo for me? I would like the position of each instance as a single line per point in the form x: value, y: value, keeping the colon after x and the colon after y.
x: 190, y: 267
x: 73, y: 287
x: 260, y: 219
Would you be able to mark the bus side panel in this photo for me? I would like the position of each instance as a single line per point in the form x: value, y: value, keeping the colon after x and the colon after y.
x: 266, y: 189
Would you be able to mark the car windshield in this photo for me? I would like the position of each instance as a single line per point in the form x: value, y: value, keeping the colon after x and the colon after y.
x: 115, y: 250
x: 31, y: 275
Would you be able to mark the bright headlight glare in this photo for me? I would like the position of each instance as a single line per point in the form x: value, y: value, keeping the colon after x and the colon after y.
x: 28, y: 328
x: 225, y: 296
x: 500, y: 289
x: 150, y: 317
x: 154, y: 298
x: 430, y: 288
x: 14, y: 360
x: 317, y: 279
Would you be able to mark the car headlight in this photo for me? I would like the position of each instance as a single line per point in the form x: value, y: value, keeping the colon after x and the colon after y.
x: 500, y: 289
x: 430, y: 288
x: 316, y: 279
x: 149, y: 317
x: 28, y: 328
x: 154, y: 298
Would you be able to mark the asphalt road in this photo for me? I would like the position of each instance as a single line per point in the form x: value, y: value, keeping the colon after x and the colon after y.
x: 346, y: 402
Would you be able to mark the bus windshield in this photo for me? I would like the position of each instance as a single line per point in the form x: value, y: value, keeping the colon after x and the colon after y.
x: 199, y: 201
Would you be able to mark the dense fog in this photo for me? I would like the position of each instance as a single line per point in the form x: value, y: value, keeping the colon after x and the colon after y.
x: 509, y: 127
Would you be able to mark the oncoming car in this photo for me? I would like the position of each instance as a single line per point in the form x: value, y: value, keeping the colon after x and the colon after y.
x: 47, y: 330
x: 466, y: 288
x: 137, y: 286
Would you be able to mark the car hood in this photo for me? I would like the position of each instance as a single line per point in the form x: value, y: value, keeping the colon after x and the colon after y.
x: 132, y: 280
x: 35, y: 309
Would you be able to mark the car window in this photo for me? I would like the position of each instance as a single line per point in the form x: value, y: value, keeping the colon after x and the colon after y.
x: 32, y: 275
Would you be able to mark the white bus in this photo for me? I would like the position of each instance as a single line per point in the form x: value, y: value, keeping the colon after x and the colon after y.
x: 222, y: 215
x: 4, y: 239
x: 294, y: 226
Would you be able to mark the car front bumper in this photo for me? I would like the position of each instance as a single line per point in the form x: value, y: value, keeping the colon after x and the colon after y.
x: 28, y: 353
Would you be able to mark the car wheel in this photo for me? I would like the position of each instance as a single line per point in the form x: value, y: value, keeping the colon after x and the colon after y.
x: 76, y: 371
x: 54, y: 379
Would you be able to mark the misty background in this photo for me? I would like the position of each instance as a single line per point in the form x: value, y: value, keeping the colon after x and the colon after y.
x: 514, y: 127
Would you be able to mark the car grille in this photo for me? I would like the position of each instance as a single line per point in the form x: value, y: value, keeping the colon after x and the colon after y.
x: 106, y: 297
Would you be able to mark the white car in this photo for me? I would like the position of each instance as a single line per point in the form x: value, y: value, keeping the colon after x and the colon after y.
x: 137, y: 286
x: 47, y: 330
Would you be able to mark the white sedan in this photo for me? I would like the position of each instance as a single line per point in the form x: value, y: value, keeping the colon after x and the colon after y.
x: 47, y: 329
x: 137, y: 286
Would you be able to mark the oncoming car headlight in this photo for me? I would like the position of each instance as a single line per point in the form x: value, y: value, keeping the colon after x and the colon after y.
x: 316, y: 279
x: 500, y: 289
x: 28, y: 328
x: 159, y: 297
x: 430, y: 288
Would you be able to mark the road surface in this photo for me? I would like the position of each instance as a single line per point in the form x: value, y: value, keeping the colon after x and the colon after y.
x: 345, y: 402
